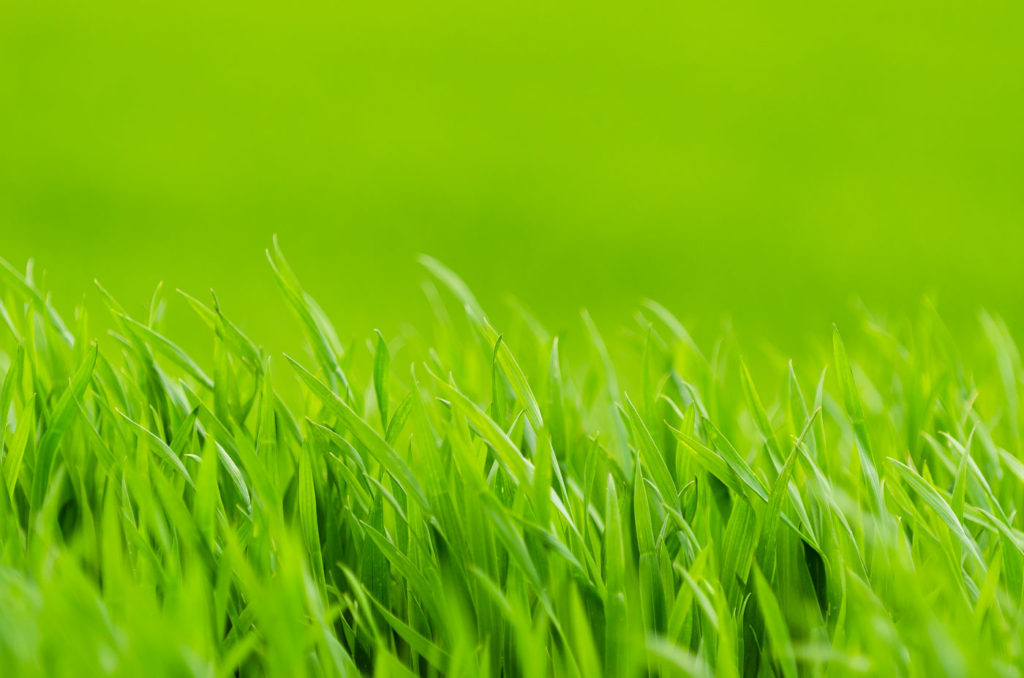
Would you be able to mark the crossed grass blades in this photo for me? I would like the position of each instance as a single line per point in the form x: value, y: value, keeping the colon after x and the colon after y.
x: 481, y: 508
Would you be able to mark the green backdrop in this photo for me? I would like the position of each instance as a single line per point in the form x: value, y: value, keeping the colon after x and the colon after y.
x: 765, y: 162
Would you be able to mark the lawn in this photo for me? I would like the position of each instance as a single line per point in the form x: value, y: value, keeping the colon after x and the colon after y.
x: 462, y: 499
x: 710, y: 371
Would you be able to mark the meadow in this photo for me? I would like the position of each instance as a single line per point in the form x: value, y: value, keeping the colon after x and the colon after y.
x: 650, y: 338
x: 467, y: 500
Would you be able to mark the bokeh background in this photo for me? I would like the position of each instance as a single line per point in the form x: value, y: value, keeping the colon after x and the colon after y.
x: 765, y: 163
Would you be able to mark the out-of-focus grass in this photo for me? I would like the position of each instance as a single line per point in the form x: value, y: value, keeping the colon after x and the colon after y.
x: 766, y: 162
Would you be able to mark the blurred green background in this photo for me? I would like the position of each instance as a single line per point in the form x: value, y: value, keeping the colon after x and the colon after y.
x: 765, y: 162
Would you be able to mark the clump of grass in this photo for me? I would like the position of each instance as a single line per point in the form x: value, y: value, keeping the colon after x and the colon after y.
x: 473, y: 504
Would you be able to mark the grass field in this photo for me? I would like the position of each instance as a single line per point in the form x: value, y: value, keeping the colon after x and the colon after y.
x: 461, y: 499
x: 821, y: 474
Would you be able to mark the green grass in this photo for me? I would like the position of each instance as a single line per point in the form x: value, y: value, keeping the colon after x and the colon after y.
x: 471, y: 502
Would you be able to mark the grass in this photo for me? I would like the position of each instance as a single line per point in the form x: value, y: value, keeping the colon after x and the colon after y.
x: 467, y: 502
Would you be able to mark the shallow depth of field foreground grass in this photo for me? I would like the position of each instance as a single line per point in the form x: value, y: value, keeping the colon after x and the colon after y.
x: 463, y: 502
